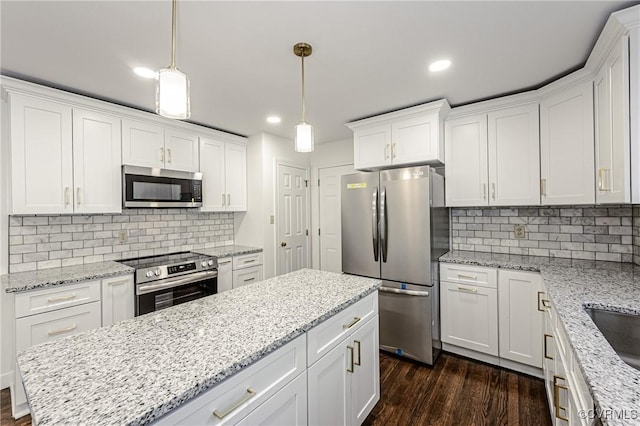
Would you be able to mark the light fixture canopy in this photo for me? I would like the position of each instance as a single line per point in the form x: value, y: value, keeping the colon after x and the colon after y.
x: 304, y: 130
x: 173, y: 87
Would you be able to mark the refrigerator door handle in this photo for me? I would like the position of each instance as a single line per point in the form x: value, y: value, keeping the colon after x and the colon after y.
x: 407, y: 292
x: 374, y: 230
x: 383, y: 224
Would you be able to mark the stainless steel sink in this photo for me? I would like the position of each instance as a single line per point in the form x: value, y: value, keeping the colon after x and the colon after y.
x: 622, y: 331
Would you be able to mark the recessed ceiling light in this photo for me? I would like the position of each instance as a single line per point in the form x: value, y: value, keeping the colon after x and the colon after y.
x: 273, y: 119
x: 440, y: 65
x: 145, y: 72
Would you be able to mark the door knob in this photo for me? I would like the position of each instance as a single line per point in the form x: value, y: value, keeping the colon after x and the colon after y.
x: 283, y: 244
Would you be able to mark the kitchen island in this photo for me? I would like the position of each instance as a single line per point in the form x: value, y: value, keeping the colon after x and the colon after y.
x: 136, y: 371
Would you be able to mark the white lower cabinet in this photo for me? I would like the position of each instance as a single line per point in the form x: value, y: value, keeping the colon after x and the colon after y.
x: 247, y: 269
x: 118, y: 296
x: 225, y: 274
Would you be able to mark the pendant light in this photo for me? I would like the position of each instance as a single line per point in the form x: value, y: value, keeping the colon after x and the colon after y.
x: 172, y: 88
x: 304, y: 130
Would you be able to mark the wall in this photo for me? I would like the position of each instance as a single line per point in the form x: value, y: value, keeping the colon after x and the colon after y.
x: 636, y: 234
x: 584, y: 232
x: 40, y: 242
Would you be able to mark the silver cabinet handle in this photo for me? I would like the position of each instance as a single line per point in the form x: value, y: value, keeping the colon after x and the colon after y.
x: 79, y: 201
x: 162, y: 154
x: 249, y: 279
x: 169, y: 155
x: 393, y: 151
x: 350, y: 370
x: 62, y: 330
x: 386, y: 151
x: 67, y: 196
x: 484, y: 191
x: 249, y: 261
x: 359, y: 361
x: 352, y: 323
x: 224, y: 200
x: 120, y: 282
x: 228, y: 199
x: 468, y: 290
x: 62, y: 298
x: 493, y: 190
x: 374, y: 225
x: 469, y: 277
x: 221, y: 414
x: 543, y: 187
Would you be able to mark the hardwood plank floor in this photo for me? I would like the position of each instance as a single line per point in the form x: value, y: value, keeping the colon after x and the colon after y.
x: 457, y: 391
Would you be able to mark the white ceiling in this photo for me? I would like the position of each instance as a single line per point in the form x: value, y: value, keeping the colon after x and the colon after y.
x: 368, y: 57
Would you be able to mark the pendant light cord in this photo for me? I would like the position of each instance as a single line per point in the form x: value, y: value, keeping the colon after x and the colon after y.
x: 173, y: 33
x: 303, y: 111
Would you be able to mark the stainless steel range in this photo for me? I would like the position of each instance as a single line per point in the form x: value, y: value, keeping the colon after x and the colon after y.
x: 167, y: 280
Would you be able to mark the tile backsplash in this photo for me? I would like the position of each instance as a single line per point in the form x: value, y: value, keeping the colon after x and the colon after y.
x: 582, y: 232
x: 41, y: 242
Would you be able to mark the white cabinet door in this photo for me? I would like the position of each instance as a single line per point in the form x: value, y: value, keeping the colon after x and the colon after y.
x: 466, y: 162
x: 118, y: 295
x: 225, y: 274
x: 469, y: 317
x: 514, y: 156
x: 97, y: 161
x: 520, y: 317
x: 612, y: 127
x: 372, y: 147
x: 235, y: 158
x: 212, y: 166
x: 416, y: 140
x: 330, y: 388
x: 567, y: 147
x: 181, y: 151
x: 247, y: 276
x: 41, y: 156
x: 365, y: 379
x: 142, y: 144
x: 288, y: 407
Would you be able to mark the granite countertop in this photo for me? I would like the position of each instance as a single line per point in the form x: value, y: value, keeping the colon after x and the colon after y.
x: 572, y: 286
x: 135, y: 371
x: 24, y: 281
x: 227, y: 251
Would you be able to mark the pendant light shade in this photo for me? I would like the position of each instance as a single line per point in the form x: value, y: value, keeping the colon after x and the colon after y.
x: 172, y: 86
x: 304, y: 130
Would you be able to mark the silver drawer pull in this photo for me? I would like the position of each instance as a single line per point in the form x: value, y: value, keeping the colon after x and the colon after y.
x: 61, y: 298
x: 249, y: 261
x: 249, y: 279
x: 62, y: 330
x: 468, y: 290
x: 352, y: 323
x: 469, y: 277
x: 120, y: 282
x: 224, y: 413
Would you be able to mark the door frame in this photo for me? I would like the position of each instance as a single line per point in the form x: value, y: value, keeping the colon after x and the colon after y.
x: 276, y: 228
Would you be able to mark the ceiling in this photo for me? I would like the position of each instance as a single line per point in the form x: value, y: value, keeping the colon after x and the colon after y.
x: 368, y: 57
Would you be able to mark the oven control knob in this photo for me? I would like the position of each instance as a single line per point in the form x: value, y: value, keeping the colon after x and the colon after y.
x: 210, y: 263
x: 204, y: 263
x: 149, y: 274
x: 158, y: 272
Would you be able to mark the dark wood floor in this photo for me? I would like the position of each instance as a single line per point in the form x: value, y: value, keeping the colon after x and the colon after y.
x: 456, y: 391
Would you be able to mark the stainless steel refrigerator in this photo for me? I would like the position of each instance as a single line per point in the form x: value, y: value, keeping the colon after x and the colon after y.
x: 395, y: 227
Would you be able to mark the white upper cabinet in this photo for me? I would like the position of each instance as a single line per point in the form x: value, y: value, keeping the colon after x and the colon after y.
x: 224, y: 175
x: 181, y: 150
x: 142, y: 144
x: 97, y: 175
x: 235, y: 159
x: 466, y: 159
x: 566, y: 146
x: 514, y: 156
x: 410, y: 136
x: 613, y: 161
x: 41, y: 156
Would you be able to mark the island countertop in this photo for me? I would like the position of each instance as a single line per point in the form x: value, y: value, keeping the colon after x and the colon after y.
x: 138, y: 370
x: 573, y: 285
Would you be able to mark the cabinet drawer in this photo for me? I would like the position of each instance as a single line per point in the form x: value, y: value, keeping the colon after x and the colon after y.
x: 247, y: 276
x: 247, y: 260
x: 245, y: 391
x: 473, y: 275
x: 50, y: 299
x: 322, y: 338
x: 36, y: 329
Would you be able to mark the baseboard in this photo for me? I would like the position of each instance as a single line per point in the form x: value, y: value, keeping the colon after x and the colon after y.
x: 494, y: 360
x: 6, y: 380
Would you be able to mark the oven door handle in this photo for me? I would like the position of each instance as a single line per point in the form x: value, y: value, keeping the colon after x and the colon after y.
x: 175, y: 282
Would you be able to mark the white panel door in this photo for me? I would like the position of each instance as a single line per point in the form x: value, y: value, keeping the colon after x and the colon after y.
x: 97, y: 160
x: 41, y: 156
x: 330, y: 388
x: 466, y: 162
x: 118, y: 296
x: 329, y: 218
x: 365, y: 385
x: 214, y: 198
x: 291, y: 215
x: 519, y: 317
x: 415, y: 140
x: 181, y: 151
x: 567, y: 147
x: 514, y: 156
x: 235, y: 159
x: 142, y: 144
x: 372, y: 147
x: 469, y: 317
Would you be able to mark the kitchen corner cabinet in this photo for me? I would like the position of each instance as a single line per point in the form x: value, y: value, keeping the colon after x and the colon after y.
x: 63, y: 159
x: 150, y: 145
x: 566, y: 146
x: 118, y: 296
x: 612, y: 131
x: 224, y: 168
x: 410, y: 136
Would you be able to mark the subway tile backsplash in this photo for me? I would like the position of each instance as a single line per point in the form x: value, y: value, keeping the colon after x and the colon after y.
x: 584, y: 232
x: 41, y: 242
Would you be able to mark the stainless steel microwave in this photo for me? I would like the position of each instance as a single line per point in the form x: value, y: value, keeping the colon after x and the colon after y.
x: 152, y: 187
